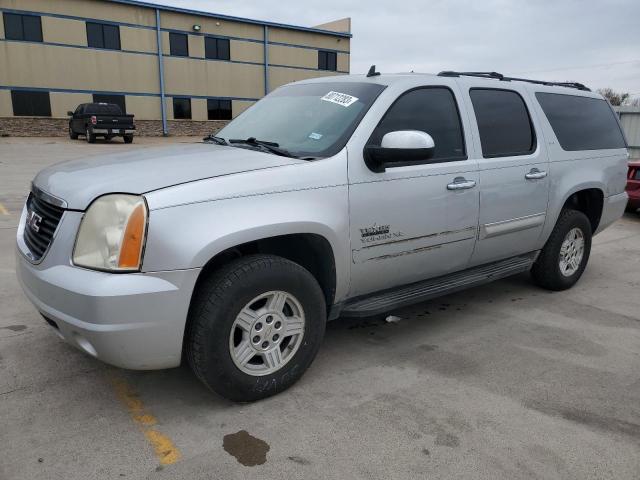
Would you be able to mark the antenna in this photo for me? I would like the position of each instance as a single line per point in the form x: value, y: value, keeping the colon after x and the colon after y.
x: 372, y: 72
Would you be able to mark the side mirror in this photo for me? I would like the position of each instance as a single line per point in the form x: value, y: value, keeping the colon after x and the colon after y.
x: 400, y: 148
x: 70, y: 113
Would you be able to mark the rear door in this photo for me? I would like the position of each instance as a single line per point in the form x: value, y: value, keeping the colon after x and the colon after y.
x: 513, y: 169
x: 414, y: 222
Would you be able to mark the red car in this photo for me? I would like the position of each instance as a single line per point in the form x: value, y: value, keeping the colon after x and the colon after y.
x: 633, y: 186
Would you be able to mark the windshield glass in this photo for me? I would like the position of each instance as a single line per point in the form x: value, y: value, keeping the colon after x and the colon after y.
x: 307, y: 120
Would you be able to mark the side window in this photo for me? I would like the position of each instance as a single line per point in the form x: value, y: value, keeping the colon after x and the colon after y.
x: 182, y: 108
x: 431, y: 110
x: 116, y: 99
x: 178, y: 44
x: 22, y: 27
x: 30, y: 103
x: 503, y: 121
x: 581, y: 123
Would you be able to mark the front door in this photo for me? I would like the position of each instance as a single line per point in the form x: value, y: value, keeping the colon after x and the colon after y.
x: 414, y: 222
x: 514, y: 166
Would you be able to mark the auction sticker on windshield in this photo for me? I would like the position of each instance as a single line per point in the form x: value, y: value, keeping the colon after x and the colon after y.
x: 339, y: 98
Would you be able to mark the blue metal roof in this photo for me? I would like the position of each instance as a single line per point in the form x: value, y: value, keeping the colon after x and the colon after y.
x: 229, y: 17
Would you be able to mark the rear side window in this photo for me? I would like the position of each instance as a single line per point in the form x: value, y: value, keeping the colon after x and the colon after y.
x: 581, y: 123
x: 503, y: 121
x: 430, y: 110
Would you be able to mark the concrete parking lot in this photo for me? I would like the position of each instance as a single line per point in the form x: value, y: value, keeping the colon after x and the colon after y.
x: 504, y: 381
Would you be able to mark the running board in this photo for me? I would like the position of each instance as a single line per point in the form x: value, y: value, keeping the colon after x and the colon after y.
x: 381, y: 302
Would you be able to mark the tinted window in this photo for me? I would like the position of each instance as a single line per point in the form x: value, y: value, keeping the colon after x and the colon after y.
x: 503, y: 121
x: 112, y: 99
x: 22, y: 27
x: 218, y: 109
x: 430, y: 110
x: 216, y: 48
x: 102, y: 35
x: 31, y: 103
x: 327, y: 60
x: 581, y: 123
x: 179, y: 44
x: 182, y: 108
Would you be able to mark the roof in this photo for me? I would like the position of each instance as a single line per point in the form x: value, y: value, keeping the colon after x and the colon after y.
x: 187, y: 11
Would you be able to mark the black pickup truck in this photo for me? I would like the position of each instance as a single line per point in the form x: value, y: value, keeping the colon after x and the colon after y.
x: 100, y: 119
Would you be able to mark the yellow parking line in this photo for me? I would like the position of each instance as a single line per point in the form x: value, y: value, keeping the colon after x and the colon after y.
x: 163, y: 447
x: 3, y: 210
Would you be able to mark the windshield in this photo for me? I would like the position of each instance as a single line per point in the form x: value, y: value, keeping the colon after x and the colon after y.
x: 307, y: 120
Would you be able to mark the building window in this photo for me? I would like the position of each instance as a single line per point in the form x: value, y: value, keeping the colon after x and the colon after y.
x: 218, y: 109
x: 103, y: 35
x: 179, y: 44
x: 115, y: 99
x: 30, y: 103
x: 182, y: 108
x: 327, y: 60
x: 503, y: 122
x: 216, y: 48
x: 22, y: 27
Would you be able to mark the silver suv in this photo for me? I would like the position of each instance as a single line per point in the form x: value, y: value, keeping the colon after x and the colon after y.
x: 333, y: 197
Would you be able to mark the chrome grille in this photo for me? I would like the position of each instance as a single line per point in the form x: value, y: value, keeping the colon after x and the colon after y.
x: 40, y: 225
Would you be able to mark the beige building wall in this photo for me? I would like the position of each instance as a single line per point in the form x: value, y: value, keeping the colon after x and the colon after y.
x: 6, y: 107
x: 212, y: 26
x: 239, y: 106
x: 246, y: 51
x: 63, y: 30
x: 144, y: 108
x: 47, y: 66
x: 199, y: 109
x: 138, y: 39
x: 1, y: 26
x: 196, y: 46
x: 61, y: 102
x: 279, y: 76
x: 87, y: 8
x: 184, y: 76
x: 316, y: 40
x: 297, y: 57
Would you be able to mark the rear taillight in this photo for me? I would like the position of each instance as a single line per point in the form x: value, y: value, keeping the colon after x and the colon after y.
x: 94, y: 120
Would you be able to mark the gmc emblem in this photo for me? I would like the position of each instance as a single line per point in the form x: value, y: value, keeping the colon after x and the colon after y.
x: 33, y: 220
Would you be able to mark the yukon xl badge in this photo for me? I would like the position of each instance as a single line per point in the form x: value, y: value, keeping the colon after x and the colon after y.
x: 33, y: 220
x: 377, y: 233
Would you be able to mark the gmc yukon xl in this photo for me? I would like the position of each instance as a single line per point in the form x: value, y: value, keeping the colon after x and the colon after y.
x: 332, y: 197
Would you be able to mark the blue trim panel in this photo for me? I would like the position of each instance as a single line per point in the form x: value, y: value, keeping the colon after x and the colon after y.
x: 133, y: 94
x: 229, y: 17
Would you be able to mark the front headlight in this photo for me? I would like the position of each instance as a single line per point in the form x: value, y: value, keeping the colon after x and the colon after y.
x: 112, y: 234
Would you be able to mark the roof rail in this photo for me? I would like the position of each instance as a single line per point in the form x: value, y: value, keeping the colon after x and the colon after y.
x: 499, y: 76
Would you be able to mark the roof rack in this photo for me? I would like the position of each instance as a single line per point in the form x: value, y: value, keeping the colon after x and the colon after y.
x: 499, y: 76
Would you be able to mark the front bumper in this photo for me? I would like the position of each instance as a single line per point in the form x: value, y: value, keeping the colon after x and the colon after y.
x: 132, y: 320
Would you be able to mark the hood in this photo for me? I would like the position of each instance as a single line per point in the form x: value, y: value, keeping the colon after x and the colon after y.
x: 78, y: 182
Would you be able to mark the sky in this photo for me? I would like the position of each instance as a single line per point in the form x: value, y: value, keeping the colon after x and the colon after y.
x: 595, y: 42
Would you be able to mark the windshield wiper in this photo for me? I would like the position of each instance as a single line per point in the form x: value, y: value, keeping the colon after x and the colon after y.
x: 271, y: 147
x: 214, y: 139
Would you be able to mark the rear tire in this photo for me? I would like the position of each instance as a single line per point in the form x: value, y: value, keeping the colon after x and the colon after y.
x: 566, y: 253
x: 72, y: 135
x: 244, y: 312
x: 91, y: 137
x: 128, y: 138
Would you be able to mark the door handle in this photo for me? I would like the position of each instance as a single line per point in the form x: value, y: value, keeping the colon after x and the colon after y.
x: 461, y: 183
x: 535, y: 174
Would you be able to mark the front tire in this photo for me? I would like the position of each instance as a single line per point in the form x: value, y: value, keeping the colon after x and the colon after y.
x: 72, y: 135
x: 91, y: 138
x: 565, y: 255
x: 255, y: 326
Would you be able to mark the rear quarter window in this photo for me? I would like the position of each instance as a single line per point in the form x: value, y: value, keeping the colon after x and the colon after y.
x: 581, y: 123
